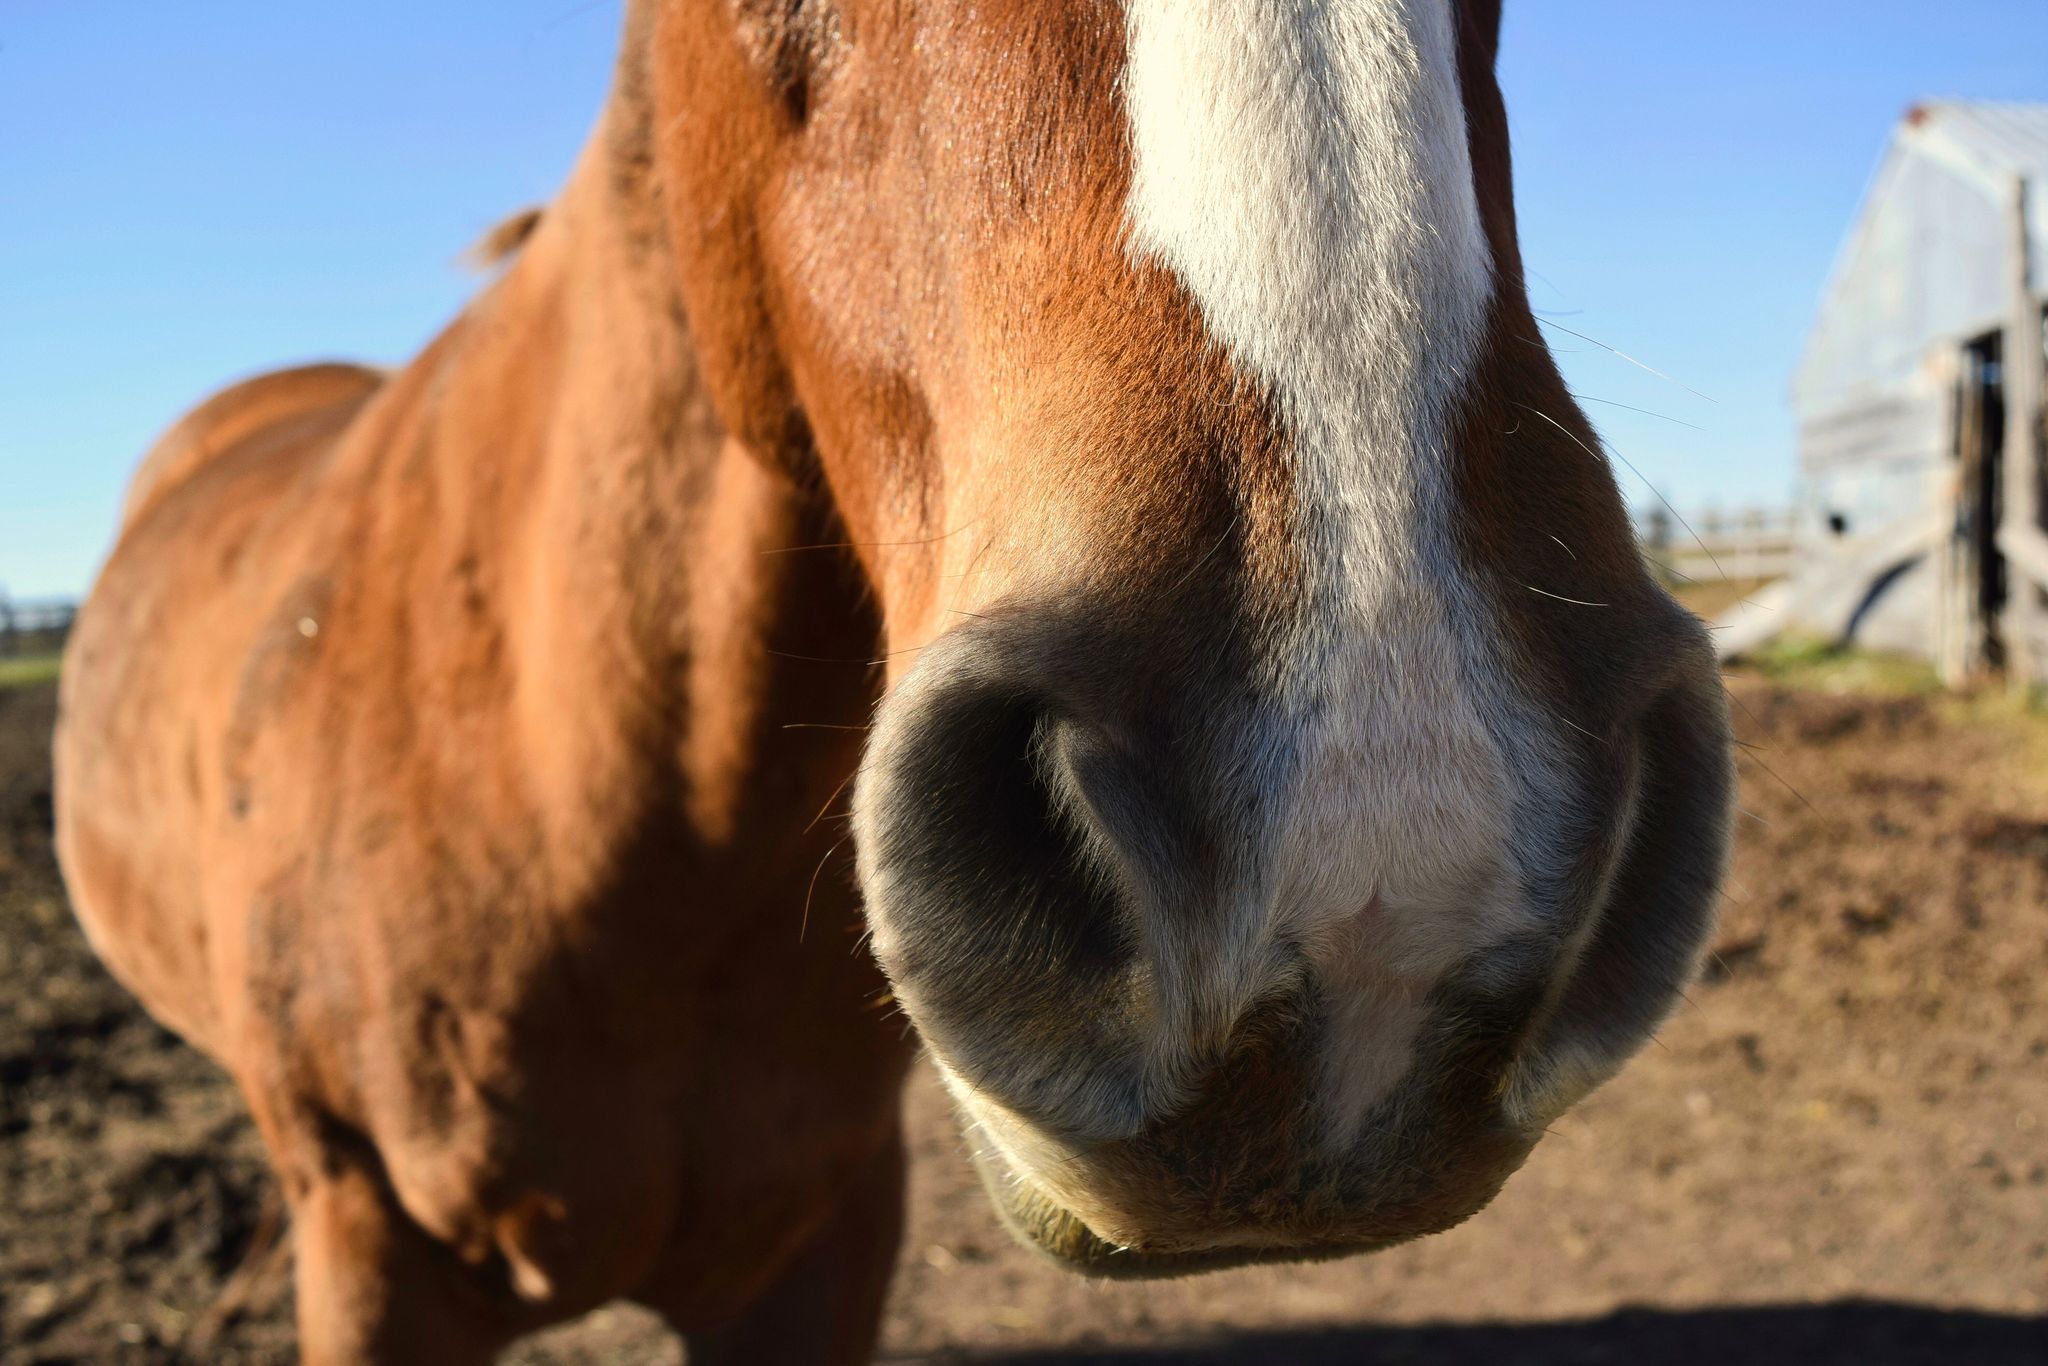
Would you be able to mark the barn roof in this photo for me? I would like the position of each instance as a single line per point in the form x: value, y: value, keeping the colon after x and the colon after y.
x: 1926, y: 260
x: 1997, y: 141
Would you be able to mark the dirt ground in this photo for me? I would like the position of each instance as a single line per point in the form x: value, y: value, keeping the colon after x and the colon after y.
x: 1837, y: 1152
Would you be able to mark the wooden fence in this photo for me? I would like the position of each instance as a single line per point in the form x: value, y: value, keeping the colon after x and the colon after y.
x: 1752, y: 544
x: 34, y: 625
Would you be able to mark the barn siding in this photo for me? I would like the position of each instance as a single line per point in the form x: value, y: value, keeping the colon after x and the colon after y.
x: 1923, y: 267
x: 1926, y: 269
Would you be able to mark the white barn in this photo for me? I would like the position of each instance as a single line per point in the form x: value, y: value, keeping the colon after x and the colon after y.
x: 1920, y: 525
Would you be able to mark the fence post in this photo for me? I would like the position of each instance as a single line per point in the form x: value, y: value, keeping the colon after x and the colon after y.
x: 1660, y: 543
x: 1752, y: 542
x: 2023, y: 364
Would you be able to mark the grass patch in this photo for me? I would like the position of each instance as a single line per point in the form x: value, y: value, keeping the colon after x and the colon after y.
x: 29, y: 670
x: 1818, y: 665
x: 1813, y: 664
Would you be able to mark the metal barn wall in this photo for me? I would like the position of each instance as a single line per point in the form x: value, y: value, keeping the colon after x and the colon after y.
x: 1925, y: 269
x: 1872, y: 475
x: 1894, y: 505
x: 1926, y: 263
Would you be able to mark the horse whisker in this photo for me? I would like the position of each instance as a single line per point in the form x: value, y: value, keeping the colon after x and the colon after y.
x: 1662, y: 417
x: 1617, y: 455
x: 812, y: 890
x: 1630, y: 359
x: 1576, y: 602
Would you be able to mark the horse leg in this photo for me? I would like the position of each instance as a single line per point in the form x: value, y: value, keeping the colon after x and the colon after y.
x: 826, y: 1309
x: 375, y: 1287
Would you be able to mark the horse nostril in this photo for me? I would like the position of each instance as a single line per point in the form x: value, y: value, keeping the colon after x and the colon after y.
x: 991, y: 911
x: 970, y: 846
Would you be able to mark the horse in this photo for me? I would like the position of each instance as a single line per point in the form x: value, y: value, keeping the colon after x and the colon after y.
x: 1040, y: 534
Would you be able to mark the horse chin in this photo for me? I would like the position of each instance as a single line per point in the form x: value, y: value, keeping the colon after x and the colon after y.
x: 1059, y: 1235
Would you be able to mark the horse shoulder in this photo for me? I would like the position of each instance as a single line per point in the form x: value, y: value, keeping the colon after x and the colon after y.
x: 239, y: 412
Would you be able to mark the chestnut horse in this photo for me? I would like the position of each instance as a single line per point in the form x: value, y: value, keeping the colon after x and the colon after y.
x: 1109, y: 440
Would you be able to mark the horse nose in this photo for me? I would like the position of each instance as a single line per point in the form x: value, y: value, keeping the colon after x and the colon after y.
x: 1016, y: 809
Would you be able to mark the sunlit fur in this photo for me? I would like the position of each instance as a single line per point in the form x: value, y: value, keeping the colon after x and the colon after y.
x: 1304, y: 170
x: 1285, y: 789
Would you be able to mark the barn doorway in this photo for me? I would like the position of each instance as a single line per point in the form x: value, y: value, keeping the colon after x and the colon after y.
x: 1980, y: 446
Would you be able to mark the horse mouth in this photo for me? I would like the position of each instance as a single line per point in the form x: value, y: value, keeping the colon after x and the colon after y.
x: 1056, y: 1233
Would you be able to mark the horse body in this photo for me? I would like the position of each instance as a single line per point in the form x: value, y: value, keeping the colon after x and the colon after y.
x: 1286, y: 792
x: 396, y: 779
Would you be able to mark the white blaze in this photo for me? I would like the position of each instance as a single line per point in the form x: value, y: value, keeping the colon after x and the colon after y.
x: 1303, y: 169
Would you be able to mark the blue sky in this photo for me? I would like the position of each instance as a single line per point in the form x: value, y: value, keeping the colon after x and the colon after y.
x: 191, y: 192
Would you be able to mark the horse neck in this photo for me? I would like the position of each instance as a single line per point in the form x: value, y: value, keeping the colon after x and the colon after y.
x: 672, y: 631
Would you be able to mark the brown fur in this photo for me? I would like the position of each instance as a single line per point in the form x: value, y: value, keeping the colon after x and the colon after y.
x: 313, y: 400
x: 431, y: 769
x: 456, y: 755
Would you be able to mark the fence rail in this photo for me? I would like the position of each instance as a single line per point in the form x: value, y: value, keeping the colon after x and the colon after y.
x: 1750, y: 544
x: 34, y: 624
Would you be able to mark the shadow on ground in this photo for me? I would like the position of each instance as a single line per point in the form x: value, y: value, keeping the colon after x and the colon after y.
x: 1858, y: 1332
